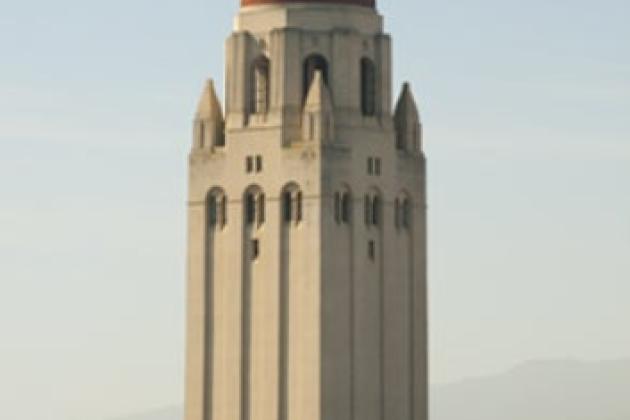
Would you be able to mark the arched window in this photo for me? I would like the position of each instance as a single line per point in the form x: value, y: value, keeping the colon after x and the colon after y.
x: 260, y: 209
x: 373, y: 208
x: 287, y: 206
x: 343, y: 207
x: 376, y: 210
x: 403, y: 211
x: 216, y: 206
x: 292, y: 204
x: 259, y: 95
x: 298, y: 207
x: 346, y: 208
x: 250, y: 208
x: 254, y: 207
x: 368, y: 87
x: 212, y: 211
x: 406, y: 213
x: 312, y: 64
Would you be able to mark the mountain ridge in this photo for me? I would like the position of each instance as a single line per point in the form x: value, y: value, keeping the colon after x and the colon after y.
x: 536, y: 389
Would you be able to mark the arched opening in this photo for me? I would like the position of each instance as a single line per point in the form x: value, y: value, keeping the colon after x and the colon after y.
x: 368, y: 87
x: 250, y: 209
x: 376, y: 211
x: 212, y: 211
x: 259, y: 94
x: 216, y: 208
x: 287, y: 206
x: 313, y: 63
x: 343, y: 206
x: 254, y: 211
x: 368, y: 210
x: 403, y: 211
x: 292, y: 204
x: 260, y: 209
x: 298, y: 207
x: 346, y: 208
x: 406, y: 213
x: 373, y: 208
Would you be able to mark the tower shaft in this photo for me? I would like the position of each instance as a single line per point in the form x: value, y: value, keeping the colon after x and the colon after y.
x: 307, y: 225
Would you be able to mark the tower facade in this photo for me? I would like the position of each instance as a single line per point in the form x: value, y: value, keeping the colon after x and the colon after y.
x: 307, y: 225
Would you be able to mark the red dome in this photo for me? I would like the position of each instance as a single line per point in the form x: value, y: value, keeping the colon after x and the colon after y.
x: 365, y: 3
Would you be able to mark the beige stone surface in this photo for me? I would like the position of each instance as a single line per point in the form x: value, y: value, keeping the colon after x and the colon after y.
x: 317, y: 317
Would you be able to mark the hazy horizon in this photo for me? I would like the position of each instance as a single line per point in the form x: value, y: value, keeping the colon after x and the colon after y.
x: 525, y: 111
x: 550, y: 389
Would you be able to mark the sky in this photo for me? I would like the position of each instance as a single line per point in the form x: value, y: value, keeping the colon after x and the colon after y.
x: 526, y: 119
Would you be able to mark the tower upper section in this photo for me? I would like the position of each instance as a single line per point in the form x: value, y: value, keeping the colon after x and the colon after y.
x: 262, y: 16
x: 304, y: 72
x: 365, y: 3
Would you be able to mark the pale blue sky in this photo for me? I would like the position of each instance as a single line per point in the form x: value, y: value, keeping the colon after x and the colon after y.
x: 526, y: 106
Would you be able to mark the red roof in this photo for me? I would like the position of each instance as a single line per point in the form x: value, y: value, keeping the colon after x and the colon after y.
x: 365, y: 3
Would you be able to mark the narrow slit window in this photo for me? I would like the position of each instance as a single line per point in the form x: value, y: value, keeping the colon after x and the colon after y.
x: 337, y: 207
x: 255, y: 244
x: 259, y: 163
x: 249, y: 164
x: 371, y: 250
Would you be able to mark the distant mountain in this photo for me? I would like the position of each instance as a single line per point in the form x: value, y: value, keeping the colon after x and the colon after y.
x: 542, y: 390
x: 549, y: 390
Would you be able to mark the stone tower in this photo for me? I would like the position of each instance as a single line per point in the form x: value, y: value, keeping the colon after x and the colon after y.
x: 307, y: 232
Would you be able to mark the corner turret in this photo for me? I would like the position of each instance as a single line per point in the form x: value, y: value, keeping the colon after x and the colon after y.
x: 407, y: 122
x: 209, y: 126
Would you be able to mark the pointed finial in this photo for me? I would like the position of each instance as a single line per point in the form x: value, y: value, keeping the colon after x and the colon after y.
x: 209, y: 124
x: 318, y: 96
x: 318, y: 118
x: 209, y: 107
x: 407, y: 121
x: 406, y: 101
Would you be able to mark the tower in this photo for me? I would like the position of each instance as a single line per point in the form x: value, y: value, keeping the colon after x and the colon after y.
x: 307, y: 225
